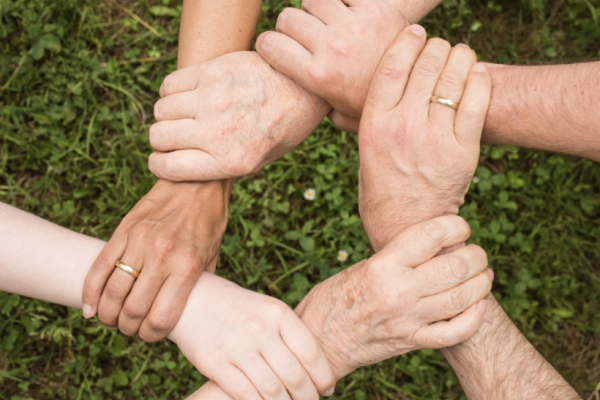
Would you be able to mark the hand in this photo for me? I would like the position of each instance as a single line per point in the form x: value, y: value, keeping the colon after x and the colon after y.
x: 252, y: 345
x: 171, y: 236
x: 401, y: 299
x: 417, y: 157
x: 228, y: 117
x: 333, y: 50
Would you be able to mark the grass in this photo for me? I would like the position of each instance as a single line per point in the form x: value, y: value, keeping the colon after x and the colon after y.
x: 78, y: 79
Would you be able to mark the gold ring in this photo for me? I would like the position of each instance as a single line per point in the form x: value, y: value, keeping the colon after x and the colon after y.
x: 127, y: 269
x: 445, y: 102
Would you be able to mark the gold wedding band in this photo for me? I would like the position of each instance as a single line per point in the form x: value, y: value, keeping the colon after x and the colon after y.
x: 445, y: 102
x: 127, y: 269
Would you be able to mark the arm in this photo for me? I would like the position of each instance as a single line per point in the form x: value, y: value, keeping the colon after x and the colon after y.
x: 550, y: 108
x: 354, y: 314
x: 174, y: 233
x: 260, y: 114
x: 499, y: 363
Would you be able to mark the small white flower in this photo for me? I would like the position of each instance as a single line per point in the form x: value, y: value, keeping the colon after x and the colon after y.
x: 342, y: 255
x: 310, y: 194
x: 475, y: 179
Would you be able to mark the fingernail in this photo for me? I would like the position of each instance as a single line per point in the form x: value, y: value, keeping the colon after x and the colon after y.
x: 329, y: 392
x: 479, y: 67
x: 111, y: 328
x: 463, y: 45
x: 481, y: 307
x: 417, y: 30
x: 88, y: 311
x: 490, y: 273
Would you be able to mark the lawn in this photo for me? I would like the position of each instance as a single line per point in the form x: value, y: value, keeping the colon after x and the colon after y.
x: 78, y: 79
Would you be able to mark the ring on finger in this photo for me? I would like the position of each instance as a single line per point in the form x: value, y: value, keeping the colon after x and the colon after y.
x: 127, y: 269
x: 445, y: 102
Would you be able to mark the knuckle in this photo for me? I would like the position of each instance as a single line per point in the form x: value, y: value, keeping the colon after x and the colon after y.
x: 105, y: 262
x: 312, y: 354
x: 429, y: 65
x: 318, y: 75
x: 433, y: 230
x: 116, y: 289
x: 164, y: 245
x: 457, y: 299
x: 273, y: 388
x: 391, y: 67
x: 160, y: 322
x: 135, y: 309
x: 296, y: 378
x: 245, y: 391
x: 458, y: 268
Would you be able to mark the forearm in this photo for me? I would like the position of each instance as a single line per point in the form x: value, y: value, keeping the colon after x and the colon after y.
x: 212, y: 28
x: 498, y: 363
x: 414, y: 10
x: 550, y: 108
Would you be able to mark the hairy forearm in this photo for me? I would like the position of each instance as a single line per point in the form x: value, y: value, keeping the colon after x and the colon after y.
x: 498, y: 363
x: 550, y: 108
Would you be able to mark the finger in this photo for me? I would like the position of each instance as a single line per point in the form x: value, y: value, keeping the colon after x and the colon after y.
x: 304, y: 346
x: 457, y: 330
x: 174, y: 135
x: 100, y: 272
x: 445, y: 272
x: 423, y: 241
x: 451, y: 84
x: 452, y: 302
x: 183, y: 80
x: 290, y: 371
x: 391, y: 77
x: 287, y: 56
x: 186, y: 165
x: 139, y: 301
x: 344, y: 122
x: 301, y: 27
x: 167, y: 307
x: 472, y: 111
x: 177, y: 106
x: 327, y: 11
x: 235, y: 383
x: 118, y: 287
x: 426, y: 73
x: 261, y: 375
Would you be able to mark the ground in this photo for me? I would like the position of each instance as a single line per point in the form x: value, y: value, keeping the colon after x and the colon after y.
x: 78, y: 79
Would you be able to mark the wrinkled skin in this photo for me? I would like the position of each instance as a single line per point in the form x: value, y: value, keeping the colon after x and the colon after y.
x: 429, y: 152
x: 228, y: 117
x: 333, y: 50
x: 171, y: 236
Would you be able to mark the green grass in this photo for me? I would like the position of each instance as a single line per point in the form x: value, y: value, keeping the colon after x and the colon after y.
x: 78, y: 79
